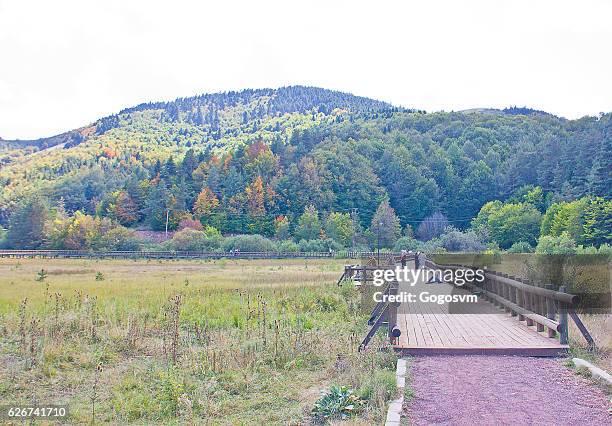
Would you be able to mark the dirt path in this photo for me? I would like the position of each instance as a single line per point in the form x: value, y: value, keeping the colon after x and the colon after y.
x: 497, y: 390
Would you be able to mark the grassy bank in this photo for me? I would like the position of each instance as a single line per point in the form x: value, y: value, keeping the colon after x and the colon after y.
x: 225, y: 342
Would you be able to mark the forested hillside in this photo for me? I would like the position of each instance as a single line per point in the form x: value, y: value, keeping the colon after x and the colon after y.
x: 255, y: 161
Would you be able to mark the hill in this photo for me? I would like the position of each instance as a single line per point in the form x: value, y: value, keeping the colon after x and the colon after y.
x: 239, y: 160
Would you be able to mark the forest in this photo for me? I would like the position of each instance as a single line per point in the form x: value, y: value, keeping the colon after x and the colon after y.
x: 309, y: 169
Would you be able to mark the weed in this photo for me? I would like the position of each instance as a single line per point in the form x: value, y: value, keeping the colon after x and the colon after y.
x: 41, y: 275
x: 339, y: 402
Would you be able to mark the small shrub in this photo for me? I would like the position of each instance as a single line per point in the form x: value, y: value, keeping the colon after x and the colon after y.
x: 455, y: 240
x: 192, y: 240
x: 521, y: 247
x: 287, y: 246
x: 41, y: 275
x: 319, y: 245
x: 408, y: 244
x: 99, y: 276
x: 248, y: 243
x: 563, y: 244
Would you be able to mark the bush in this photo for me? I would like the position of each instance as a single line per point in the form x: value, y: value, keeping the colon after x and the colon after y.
x: 287, y: 246
x: 319, y: 245
x: 407, y: 243
x: 521, y: 247
x: 190, y: 224
x: 248, y: 243
x: 191, y: 240
x: 454, y: 240
x: 119, y: 238
x: 603, y: 249
x: 433, y: 246
x: 563, y: 244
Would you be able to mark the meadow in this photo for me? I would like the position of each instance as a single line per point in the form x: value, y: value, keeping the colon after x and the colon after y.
x: 186, y: 342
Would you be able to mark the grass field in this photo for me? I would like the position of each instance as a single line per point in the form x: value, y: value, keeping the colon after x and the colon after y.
x: 214, y: 342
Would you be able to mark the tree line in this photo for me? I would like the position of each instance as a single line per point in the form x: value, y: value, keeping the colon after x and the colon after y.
x: 256, y: 162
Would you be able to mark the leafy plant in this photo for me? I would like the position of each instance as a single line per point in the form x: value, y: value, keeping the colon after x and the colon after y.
x: 338, y: 402
x: 41, y: 275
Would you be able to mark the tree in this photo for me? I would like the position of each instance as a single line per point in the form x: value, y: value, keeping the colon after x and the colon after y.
x: 340, y: 228
x: 308, y: 227
x: 206, y: 203
x: 386, y: 225
x: 454, y: 240
x: 126, y: 211
x: 255, y: 197
x: 281, y: 227
x: 513, y: 223
x: 597, y: 228
x: 432, y: 226
x: 562, y: 244
x: 570, y: 219
x: 27, y: 225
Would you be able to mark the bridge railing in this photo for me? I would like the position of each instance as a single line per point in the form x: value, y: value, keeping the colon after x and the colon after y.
x: 543, y: 307
x: 385, y: 311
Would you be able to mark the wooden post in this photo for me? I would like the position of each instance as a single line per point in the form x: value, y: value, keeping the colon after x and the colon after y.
x: 506, y: 293
x: 527, y: 299
x: 563, y: 338
x: 392, y: 312
x: 539, y: 309
x: 512, y: 296
x: 550, y: 311
x: 582, y: 328
x: 520, y: 302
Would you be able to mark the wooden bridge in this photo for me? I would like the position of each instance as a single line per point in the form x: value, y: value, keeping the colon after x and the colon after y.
x: 509, y: 315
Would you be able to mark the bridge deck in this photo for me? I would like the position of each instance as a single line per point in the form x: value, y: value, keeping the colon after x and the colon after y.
x: 465, y: 328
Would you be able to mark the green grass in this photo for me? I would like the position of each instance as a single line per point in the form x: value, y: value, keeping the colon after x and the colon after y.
x: 226, y: 342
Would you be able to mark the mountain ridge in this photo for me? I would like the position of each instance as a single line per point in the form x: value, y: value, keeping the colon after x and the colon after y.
x: 74, y: 136
x: 306, y: 146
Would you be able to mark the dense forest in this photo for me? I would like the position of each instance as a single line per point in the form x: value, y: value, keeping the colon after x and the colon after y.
x: 315, y: 169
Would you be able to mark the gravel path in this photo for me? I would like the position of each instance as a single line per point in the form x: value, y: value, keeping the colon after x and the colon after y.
x: 498, y: 390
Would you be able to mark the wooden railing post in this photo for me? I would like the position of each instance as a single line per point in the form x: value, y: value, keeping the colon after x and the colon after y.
x: 539, y: 309
x: 506, y: 292
x: 392, y: 313
x: 550, y: 311
x: 563, y: 338
x: 512, y: 295
x: 519, y: 301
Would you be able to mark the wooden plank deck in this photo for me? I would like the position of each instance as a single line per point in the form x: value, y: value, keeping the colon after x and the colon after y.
x: 466, y: 328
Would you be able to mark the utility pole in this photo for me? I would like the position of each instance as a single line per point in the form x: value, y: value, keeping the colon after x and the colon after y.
x: 353, y: 219
x: 378, y: 245
x: 167, y: 217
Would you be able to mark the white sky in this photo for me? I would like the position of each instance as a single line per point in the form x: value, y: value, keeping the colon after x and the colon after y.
x: 63, y: 64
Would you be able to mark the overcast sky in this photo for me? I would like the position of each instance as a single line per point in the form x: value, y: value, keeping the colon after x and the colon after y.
x: 63, y: 64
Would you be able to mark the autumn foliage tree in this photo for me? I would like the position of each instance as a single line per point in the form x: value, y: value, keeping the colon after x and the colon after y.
x: 206, y: 202
x: 255, y: 197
